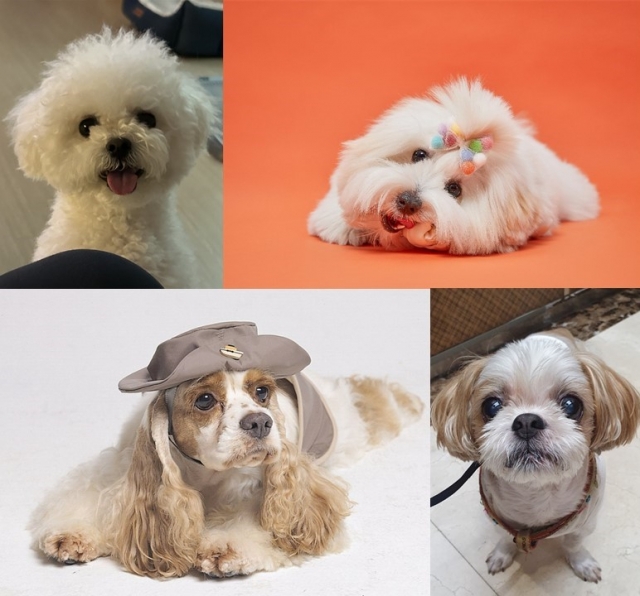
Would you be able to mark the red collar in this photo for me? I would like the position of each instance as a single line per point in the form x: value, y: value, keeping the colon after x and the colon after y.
x: 526, y: 539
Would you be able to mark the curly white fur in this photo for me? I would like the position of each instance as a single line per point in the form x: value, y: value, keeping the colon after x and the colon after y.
x: 383, y: 193
x: 102, y: 91
x: 254, y: 503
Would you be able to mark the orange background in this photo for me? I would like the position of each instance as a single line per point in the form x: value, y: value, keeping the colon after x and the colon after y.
x: 303, y: 76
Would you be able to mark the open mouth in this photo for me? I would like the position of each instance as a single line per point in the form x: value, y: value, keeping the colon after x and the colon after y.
x: 122, y: 181
x: 395, y: 224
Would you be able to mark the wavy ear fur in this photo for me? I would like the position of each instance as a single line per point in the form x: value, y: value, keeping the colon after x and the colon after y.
x: 26, y: 122
x: 617, y: 405
x: 156, y: 520
x: 450, y: 416
x: 303, y: 505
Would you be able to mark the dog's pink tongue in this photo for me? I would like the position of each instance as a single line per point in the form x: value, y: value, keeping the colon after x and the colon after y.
x: 122, y: 182
x: 407, y: 223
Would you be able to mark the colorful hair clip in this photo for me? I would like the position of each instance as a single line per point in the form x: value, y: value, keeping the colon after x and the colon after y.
x: 472, y: 152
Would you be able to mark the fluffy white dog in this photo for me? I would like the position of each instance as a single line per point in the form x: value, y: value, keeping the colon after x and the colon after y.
x: 114, y: 127
x: 454, y: 172
x: 536, y: 415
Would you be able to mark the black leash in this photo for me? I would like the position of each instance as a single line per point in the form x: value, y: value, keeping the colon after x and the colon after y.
x: 447, y: 492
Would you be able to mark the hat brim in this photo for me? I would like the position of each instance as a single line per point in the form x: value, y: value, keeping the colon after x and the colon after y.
x: 274, y: 354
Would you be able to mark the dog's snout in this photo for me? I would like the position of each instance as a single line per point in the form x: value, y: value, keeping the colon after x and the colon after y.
x: 527, y: 426
x: 119, y: 147
x: 257, y: 425
x: 408, y: 202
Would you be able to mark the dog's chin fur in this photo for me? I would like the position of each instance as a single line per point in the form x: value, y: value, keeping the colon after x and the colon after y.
x: 523, y: 191
x: 546, y: 460
x: 113, y: 77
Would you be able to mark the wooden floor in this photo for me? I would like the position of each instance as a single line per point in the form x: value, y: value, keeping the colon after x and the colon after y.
x: 32, y: 32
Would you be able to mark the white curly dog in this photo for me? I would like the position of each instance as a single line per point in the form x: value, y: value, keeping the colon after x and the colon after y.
x: 114, y: 127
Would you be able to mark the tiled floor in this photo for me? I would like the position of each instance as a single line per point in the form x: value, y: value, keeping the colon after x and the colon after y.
x: 462, y: 535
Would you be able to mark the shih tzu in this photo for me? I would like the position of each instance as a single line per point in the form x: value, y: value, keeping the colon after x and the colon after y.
x: 536, y: 415
x: 228, y: 470
x: 453, y: 172
x: 114, y: 126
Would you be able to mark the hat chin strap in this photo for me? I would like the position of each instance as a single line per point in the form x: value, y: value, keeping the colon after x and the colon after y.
x: 169, y: 396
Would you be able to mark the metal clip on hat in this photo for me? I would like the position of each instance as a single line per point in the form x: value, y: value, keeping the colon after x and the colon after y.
x: 238, y: 347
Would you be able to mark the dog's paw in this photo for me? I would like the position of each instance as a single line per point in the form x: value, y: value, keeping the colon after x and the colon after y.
x: 222, y: 561
x: 71, y: 547
x: 226, y: 559
x: 585, y: 566
x: 501, y: 556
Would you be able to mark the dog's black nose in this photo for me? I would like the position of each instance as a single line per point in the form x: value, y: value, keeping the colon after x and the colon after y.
x: 408, y: 202
x: 119, y: 147
x: 257, y: 425
x: 527, y: 426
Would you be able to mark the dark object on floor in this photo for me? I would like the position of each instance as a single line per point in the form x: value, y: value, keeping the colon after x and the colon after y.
x: 189, y: 28
x: 456, y: 486
x: 213, y: 86
x: 80, y: 269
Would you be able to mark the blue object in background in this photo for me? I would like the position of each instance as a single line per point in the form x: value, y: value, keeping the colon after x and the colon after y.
x: 188, y: 28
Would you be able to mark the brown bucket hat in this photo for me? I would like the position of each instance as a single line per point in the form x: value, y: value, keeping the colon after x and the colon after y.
x: 234, y: 346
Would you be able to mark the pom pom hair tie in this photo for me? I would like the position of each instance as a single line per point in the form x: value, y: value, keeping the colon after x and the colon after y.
x: 472, y: 151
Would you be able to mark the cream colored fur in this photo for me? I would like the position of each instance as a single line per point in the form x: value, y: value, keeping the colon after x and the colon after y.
x: 113, y: 78
x: 258, y: 504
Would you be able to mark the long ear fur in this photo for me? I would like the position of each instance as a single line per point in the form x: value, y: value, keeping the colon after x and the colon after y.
x: 450, y: 416
x: 27, y: 121
x: 617, y: 405
x: 156, y: 520
x: 303, y: 505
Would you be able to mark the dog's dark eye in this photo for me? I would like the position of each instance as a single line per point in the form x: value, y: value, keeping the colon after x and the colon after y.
x: 490, y: 407
x: 85, y: 126
x: 146, y: 118
x: 262, y: 393
x: 206, y: 401
x: 453, y: 188
x: 419, y: 155
x: 571, y: 406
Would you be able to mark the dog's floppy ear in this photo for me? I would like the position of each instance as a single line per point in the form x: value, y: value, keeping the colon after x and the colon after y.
x: 201, y: 111
x: 25, y: 121
x: 450, y: 412
x: 616, y: 401
x: 157, y: 520
x: 303, y: 505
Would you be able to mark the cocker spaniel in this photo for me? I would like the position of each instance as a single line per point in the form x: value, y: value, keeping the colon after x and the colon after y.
x: 227, y: 472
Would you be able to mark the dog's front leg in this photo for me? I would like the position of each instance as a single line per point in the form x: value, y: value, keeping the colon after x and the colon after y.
x: 66, y: 526
x: 238, y: 547
x: 502, y: 555
x: 579, y: 558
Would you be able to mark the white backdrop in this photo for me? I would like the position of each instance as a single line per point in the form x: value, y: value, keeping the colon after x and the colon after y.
x: 63, y: 353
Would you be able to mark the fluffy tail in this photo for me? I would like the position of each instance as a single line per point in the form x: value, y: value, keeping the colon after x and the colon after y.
x: 582, y: 201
